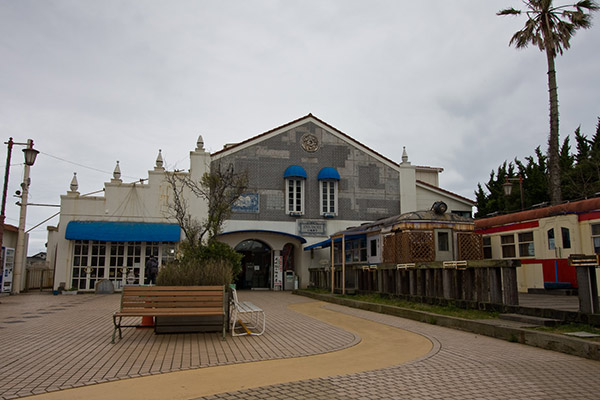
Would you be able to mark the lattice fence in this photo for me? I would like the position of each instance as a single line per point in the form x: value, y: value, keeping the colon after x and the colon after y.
x: 470, y: 246
x: 416, y: 246
x: 389, y: 249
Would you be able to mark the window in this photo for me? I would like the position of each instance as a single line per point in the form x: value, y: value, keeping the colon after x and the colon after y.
x: 526, y: 248
x: 295, y: 196
x: 487, y: 247
x: 566, y: 238
x: 294, y: 177
x: 443, y: 241
x: 508, y: 246
x: 551, y: 244
x: 373, y: 248
x: 596, y: 237
x: 328, y: 198
x: 328, y: 184
x: 356, y: 250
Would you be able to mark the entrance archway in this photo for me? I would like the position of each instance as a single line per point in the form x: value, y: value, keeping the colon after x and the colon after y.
x: 256, y: 265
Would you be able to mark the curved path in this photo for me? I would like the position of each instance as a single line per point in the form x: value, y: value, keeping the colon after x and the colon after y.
x: 381, y: 346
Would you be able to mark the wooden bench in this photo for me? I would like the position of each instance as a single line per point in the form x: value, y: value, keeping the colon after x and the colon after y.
x: 250, y: 317
x: 170, y: 301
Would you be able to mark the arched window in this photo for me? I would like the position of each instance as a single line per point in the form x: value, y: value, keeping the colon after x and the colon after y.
x: 328, y: 188
x: 294, y: 177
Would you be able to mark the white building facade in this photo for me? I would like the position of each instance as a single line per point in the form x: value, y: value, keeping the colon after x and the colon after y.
x: 306, y: 180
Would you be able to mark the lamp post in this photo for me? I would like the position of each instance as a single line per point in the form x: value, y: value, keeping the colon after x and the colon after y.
x: 30, y: 156
x: 507, y: 186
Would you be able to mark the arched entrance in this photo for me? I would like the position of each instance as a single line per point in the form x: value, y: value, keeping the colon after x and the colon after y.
x: 256, y: 265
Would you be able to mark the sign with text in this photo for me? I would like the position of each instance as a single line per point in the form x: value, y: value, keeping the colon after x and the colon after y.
x: 312, y: 228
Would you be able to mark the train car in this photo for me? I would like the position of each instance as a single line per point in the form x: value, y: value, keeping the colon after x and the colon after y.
x: 543, y: 239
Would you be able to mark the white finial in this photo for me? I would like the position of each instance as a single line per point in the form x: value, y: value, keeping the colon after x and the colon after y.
x: 74, y: 183
x: 159, y: 160
x: 117, y: 172
x: 200, y: 143
x: 404, y: 155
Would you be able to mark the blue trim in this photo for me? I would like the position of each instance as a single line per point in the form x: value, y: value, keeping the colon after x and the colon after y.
x: 122, y: 231
x: 294, y: 171
x: 300, y: 238
x: 323, y: 244
x: 328, y: 173
x: 327, y: 242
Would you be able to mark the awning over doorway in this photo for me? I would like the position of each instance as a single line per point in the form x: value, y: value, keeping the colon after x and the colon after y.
x: 122, y: 231
x: 299, y: 238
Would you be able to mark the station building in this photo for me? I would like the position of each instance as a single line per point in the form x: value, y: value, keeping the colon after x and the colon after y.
x: 306, y: 181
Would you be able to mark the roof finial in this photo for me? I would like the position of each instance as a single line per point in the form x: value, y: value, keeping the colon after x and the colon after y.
x: 117, y: 173
x: 200, y: 143
x: 159, y: 160
x: 404, y: 155
x: 74, y: 184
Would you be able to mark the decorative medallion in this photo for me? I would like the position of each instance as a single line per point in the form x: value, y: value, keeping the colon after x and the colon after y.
x: 310, y: 143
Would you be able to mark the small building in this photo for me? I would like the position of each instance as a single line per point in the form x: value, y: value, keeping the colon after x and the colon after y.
x: 364, y: 256
x: 543, y: 239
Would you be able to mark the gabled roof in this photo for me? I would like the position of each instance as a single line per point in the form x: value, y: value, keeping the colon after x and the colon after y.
x: 300, y: 121
x: 446, y: 192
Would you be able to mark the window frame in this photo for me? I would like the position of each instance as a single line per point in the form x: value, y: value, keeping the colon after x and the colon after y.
x: 293, y: 185
x: 526, y: 244
x: 508, y: 247
x: 328, y: 197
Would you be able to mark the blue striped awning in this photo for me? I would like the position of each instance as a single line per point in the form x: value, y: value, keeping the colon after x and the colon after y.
x: 122, y: 231
x: 328, y: 173
x: 294, y: 171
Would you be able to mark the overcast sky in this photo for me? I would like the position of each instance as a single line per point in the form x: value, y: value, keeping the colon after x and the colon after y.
x: 93, y: 82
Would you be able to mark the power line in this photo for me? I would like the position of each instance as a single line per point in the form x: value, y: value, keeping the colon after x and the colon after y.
x: 82, y: 165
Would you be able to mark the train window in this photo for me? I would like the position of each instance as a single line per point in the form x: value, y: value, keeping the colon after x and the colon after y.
x: 487, y: 247
x: 596, y: 237
x: 508, y: 246
x: 551, y: 245
x: 526, y: 248
x: 566, y: 238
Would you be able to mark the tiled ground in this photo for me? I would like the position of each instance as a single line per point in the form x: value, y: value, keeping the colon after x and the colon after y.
x: 50, y: 342
x: 53, y: 342
x: 461, y: 366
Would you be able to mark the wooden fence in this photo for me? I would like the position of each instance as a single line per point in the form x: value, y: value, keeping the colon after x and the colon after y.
x: 474, y: 281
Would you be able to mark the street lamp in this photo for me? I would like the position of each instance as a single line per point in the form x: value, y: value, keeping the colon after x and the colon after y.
x: 30, y: 155
x: 507, y: 186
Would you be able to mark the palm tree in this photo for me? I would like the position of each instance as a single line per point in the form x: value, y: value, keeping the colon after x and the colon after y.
x: 551, y: 28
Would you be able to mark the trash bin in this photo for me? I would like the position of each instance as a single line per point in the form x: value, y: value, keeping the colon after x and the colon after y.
x: 289, y: 280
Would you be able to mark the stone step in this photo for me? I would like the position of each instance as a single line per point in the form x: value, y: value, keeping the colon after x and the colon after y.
x: 527, y: 319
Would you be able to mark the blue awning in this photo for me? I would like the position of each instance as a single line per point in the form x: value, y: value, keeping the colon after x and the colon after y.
x: 122, y: 231
x: 294, y: 171
x: 328, y: 173
x: 327, y: 242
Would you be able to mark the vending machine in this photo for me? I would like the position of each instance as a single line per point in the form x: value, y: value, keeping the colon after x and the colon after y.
x: 7, y: 264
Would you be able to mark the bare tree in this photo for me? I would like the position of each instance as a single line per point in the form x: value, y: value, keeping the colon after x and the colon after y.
x: 221, y: 188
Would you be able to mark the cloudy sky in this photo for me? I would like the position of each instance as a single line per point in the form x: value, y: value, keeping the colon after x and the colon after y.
x: 93, y: 82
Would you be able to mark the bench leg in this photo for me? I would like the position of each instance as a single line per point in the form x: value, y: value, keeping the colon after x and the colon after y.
x: 117, y: 326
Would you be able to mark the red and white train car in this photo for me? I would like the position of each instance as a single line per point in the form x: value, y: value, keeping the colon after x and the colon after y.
x: 543, y: 239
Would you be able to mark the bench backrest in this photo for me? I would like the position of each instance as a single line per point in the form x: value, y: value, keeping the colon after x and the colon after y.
x: 189, y: 297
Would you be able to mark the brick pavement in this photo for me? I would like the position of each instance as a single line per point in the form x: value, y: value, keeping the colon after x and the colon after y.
x: 43, y: 349
x: 461, y: 366
x: 49, y: 343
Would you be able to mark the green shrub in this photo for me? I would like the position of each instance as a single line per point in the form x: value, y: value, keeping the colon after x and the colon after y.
x: 195, y: 273
x: 213, y: 263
